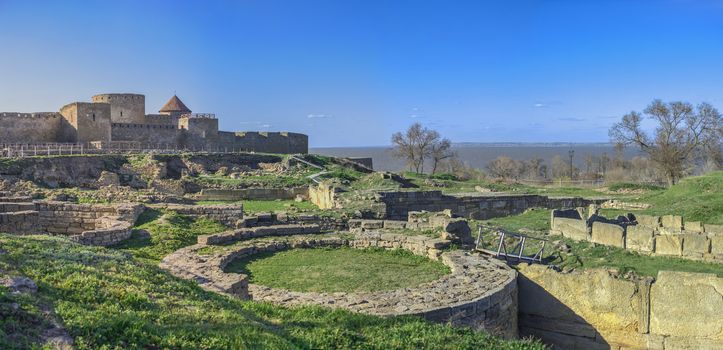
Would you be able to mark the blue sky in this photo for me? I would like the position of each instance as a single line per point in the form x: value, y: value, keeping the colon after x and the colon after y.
x: 350, y: 73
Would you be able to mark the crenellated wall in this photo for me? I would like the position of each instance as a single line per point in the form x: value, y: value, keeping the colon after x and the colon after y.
x: 30, y: 127
x: 121, y: 117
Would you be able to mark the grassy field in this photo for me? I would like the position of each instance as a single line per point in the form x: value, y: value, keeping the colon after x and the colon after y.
x: 108, y: 299
x: 339, y: 270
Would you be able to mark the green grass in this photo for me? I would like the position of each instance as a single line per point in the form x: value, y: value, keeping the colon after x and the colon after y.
x: 633, y: 186
x: 536, y: 219
x: 258, y: 206
x: 339, y: 269
x: 169, y: 232
x: 696, y: 198
x: 107, y: 299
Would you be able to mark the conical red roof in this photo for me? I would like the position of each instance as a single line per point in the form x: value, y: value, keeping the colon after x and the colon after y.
x: 175, y: 105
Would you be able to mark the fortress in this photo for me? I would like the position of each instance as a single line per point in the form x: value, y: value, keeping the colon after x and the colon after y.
x: 120, y: 121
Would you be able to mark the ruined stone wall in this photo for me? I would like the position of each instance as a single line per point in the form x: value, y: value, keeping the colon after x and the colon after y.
x: 480, y: 292
x: 474, y: 206
x: 252, y: 193
x: 31, y: 127
x: 593, y: 309
x: 227, y: 214
x: 660, y: 235
x: 323, y: 195
x: 91, y: 224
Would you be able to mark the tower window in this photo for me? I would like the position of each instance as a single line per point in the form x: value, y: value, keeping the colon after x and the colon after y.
x: 121, y: 113
x: 93, y: 116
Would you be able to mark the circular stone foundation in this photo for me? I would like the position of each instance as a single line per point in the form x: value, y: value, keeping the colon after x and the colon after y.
x: 342, y: 269
x: 479, y: 292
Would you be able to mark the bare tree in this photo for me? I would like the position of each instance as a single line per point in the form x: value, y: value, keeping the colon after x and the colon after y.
x: 418, y: 144
x: 405, y: 145
x: 440, y: 151
x: 504, y: 167
x: 424, y: 147
x: 680, y: 131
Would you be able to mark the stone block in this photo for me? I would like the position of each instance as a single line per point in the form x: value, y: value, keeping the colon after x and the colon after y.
x: 673, y: 222
x: 640, y: 238
x: 714, y: 229
x: 648, y: 220
x: 693, y: 226
x: 695, y: 245
x: 716, y: 245
x: 571, y: 228
x: 669, y: 245
x: 686, y: 304
x: 608, y: 234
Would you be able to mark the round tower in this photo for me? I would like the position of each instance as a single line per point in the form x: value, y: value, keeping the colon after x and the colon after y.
x: 124, y: 108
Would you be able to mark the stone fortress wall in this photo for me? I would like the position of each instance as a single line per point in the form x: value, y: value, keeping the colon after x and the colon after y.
x: 113, y: 118
x: 668, y: 235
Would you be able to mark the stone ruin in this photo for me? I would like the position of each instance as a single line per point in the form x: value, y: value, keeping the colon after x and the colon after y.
x: 480, y: 292
x: 669, y: 235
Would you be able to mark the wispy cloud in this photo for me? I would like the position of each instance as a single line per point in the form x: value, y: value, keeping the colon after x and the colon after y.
x: 265, y: 125
x: 318, y: 116
x: 572, y: 119
x: 546, y: 104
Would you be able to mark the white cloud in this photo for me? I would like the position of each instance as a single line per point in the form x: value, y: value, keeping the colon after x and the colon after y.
x: 539, y: 105
x: 319, y: 116
x: 265, y: 125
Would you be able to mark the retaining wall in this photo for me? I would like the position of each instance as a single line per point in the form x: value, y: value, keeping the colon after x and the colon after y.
x: 227, y: 214
x: 593, y: 309
x: 396, y: 205
x: 667, y: 235
x: 252, y: 193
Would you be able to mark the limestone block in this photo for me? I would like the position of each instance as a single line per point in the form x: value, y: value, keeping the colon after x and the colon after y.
x: 673, y: 222
x: 714, y: 229
x: 648, y: 220
x: 716, y: 245
x: 695, y: 245
x: 608, y: 234
x: 669, y: 245
x: 686, y: 304
x: 591, y: 298
x: 640, y: 238
x: 694, y: 226
x: 571, y: 228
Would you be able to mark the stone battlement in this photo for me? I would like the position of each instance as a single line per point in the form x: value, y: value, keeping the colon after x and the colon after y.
x: 122, y: 117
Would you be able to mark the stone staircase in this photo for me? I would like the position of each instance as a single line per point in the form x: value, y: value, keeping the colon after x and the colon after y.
x: 18, y: 214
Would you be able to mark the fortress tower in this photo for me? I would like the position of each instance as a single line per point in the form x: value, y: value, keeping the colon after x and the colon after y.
x: 124, y: 108
x: 174, y: 108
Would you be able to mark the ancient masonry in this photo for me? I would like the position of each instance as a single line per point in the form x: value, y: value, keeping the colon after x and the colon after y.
x: 480, y: 292
x: 667, y: 235
x: 120, y: 121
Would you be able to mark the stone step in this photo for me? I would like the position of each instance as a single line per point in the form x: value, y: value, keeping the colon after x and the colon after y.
x: 9, y: 207
x: 15, y: 199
